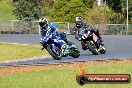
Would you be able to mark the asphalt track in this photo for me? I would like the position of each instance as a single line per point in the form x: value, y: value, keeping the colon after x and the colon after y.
x: 117, y: 46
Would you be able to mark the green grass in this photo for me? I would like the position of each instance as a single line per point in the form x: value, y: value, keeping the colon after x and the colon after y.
x: 6, y: 10
x: 13, y: 52
x: 64, y: 77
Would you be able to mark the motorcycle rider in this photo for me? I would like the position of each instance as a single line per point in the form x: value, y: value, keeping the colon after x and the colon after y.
x: 77, y: 29
x: 47, y: 29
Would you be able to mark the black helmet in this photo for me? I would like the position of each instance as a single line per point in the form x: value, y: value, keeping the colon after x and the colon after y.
x: 43, y: 22
x: 63, y: 34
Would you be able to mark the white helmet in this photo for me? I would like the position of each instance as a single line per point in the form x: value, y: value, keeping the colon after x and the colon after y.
x: 78, y: 19
x: 43, y: 22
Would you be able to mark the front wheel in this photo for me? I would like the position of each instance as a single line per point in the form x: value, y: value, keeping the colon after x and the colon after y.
x: 92, y: 47
x: 56, y: 55
x: 101, y: 48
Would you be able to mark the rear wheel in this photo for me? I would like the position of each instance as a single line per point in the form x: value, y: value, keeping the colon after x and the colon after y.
x: 55, y: 54
x: 74, y: 53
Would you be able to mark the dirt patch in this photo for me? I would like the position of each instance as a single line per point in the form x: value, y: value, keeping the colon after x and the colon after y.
x: 29, y: 68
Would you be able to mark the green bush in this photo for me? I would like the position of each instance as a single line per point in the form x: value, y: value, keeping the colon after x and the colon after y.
x: 67, y: 10
x: 6, y: 10
x: 103, y: 15
x: 28, y: 9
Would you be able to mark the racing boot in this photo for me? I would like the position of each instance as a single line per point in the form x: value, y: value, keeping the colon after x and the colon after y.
x: 64, y: 50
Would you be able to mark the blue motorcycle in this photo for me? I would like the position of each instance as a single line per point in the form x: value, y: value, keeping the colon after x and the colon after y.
x: 53, y: 46
x: 54, y: 49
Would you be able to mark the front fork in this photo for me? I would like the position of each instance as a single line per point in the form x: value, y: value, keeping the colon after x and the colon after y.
x: 94, y: 38
x: 44, y: 46
x: 98, y: 43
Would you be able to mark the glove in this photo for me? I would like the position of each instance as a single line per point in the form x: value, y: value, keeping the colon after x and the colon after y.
x: 79, y: 39
x: 74, y: 32
x: 42, y: 43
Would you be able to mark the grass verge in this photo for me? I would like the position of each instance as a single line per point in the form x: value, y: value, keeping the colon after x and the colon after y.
x: 6, y: 10
x: 62, y: 76
x: 14, y: 52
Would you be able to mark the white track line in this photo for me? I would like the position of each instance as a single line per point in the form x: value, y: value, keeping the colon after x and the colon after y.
x: 24, y: 44
x: 33, y: 58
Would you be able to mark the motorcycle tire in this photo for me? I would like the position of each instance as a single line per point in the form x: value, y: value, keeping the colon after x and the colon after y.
x: 99, y: 44
x: 52, y: 53
x: 75, y: 54
x: 102, y: 51
x: 93, y: 50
